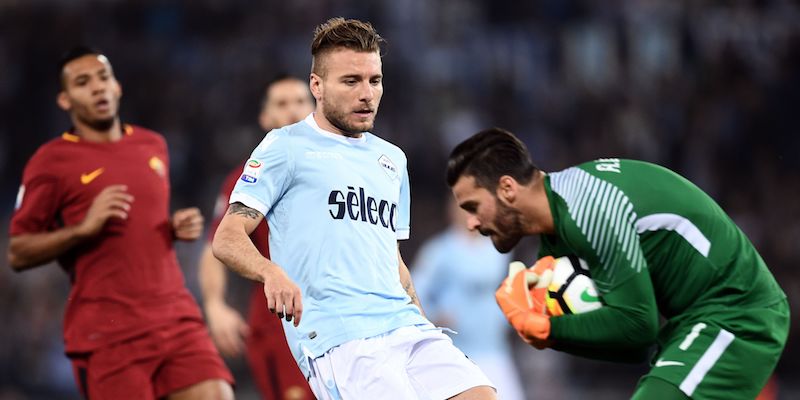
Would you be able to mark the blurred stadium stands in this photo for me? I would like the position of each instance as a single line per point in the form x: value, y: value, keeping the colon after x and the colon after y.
x: 710, y: 89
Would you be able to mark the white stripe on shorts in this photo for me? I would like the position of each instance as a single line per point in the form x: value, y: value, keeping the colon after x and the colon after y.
x: 707, y: 360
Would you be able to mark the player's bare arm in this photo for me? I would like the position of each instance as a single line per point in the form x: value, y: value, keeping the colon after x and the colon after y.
x: 35, y: 249
x: 226, y: 325
x: 232, y: 246
x: 405, y: 280
x: 187, y: 223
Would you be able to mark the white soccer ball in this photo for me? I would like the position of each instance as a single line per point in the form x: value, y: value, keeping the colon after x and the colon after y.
x: 571, y: 290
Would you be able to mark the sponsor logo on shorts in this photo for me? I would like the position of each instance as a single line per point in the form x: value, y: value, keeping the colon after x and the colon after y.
x: 665, y: 363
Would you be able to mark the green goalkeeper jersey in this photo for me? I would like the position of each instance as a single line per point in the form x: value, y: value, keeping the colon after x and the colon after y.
x: 655, y: 243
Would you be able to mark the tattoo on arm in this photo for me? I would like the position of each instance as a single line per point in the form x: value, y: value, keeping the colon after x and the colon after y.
x: 241, y: 209
x: 411, y: 292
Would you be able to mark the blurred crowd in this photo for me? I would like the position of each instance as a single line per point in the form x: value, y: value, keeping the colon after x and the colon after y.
x: 709, y: 89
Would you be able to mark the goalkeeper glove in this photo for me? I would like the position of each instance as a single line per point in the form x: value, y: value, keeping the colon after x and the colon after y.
x: 522, y: 299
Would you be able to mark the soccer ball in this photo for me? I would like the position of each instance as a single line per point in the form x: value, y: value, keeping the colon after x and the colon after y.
x: 571, y: 290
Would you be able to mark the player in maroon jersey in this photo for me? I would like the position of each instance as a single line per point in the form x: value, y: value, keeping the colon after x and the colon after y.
x: 97, y: 200
x: 287, y: 100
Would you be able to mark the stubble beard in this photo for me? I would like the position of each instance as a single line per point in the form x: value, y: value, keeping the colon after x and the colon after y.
x: 338, y: 119
x: 509, y: 228
x: 102, y: 124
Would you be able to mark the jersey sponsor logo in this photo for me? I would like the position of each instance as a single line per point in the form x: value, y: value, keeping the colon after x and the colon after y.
x: 356, y: 205
x: 249, y: 178
x: 388, y: 166
x: 157, y: 165
x: 20, y: 195
x: 588, y: 297
x: 665, y: 363
x: 87, y: 178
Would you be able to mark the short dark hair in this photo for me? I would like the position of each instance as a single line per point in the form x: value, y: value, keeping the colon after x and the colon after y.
x: 348, y: 33
x: 487, y: 156
x: 279, y: 77
x: 73, y: 54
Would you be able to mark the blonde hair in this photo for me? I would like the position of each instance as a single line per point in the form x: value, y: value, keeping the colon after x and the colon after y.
x: 341, y: 33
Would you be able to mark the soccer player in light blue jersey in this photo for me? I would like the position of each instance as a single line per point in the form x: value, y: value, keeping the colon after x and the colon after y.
x: 337, y: 200
x: 456, y: 273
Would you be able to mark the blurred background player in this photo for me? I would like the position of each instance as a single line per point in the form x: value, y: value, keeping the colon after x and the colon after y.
x: 337, y: 201
x: 286, y: 100
x: 655, y: 244
x: 456, y: 273
x: 96, y: 199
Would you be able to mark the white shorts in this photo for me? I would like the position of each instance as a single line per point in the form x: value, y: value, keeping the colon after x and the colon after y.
x: 500, y: 369
x: 406, y: 363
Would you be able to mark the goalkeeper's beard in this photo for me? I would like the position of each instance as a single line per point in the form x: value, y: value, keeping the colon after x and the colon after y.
x: 508, y: 223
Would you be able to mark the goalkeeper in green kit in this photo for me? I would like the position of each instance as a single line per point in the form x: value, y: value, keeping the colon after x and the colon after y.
x: 655, y: 244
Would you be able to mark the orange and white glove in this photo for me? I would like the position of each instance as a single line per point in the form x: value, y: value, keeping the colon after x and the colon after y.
x: 522, y: 299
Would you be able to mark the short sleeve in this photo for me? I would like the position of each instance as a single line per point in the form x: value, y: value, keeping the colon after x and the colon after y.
x: 266, y: 175
x: 36, y: 206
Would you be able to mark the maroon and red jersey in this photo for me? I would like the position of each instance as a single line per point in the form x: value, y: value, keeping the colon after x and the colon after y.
x: 126, y: 280
x: 259, y: 319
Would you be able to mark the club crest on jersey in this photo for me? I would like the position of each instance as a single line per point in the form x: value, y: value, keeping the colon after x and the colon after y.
x: 388, y: 167
x: 157, y: 165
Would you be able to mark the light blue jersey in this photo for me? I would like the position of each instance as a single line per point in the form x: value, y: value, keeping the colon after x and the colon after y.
x: 456, y: 275
x: 336, y: 207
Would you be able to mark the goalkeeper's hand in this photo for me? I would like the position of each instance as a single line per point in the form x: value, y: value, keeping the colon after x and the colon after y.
x: 522, y: 299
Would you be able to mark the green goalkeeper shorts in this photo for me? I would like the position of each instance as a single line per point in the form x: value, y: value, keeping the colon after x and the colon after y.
x: 727, y: 354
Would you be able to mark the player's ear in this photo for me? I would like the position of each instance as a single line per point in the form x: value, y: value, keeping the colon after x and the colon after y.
x: 263, y: 120
x: 315, y: 84
x: 63, y: 101
x: 507, y: 189
x: 118, y: 88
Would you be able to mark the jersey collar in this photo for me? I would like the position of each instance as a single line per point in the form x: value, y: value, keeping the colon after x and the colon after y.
x: 70, y: 135
x: 344, y: 139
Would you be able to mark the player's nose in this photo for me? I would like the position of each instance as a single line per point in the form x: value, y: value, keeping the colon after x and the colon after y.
x: 473, y: 223
x: 98, y: 86
x: 366, y: 92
